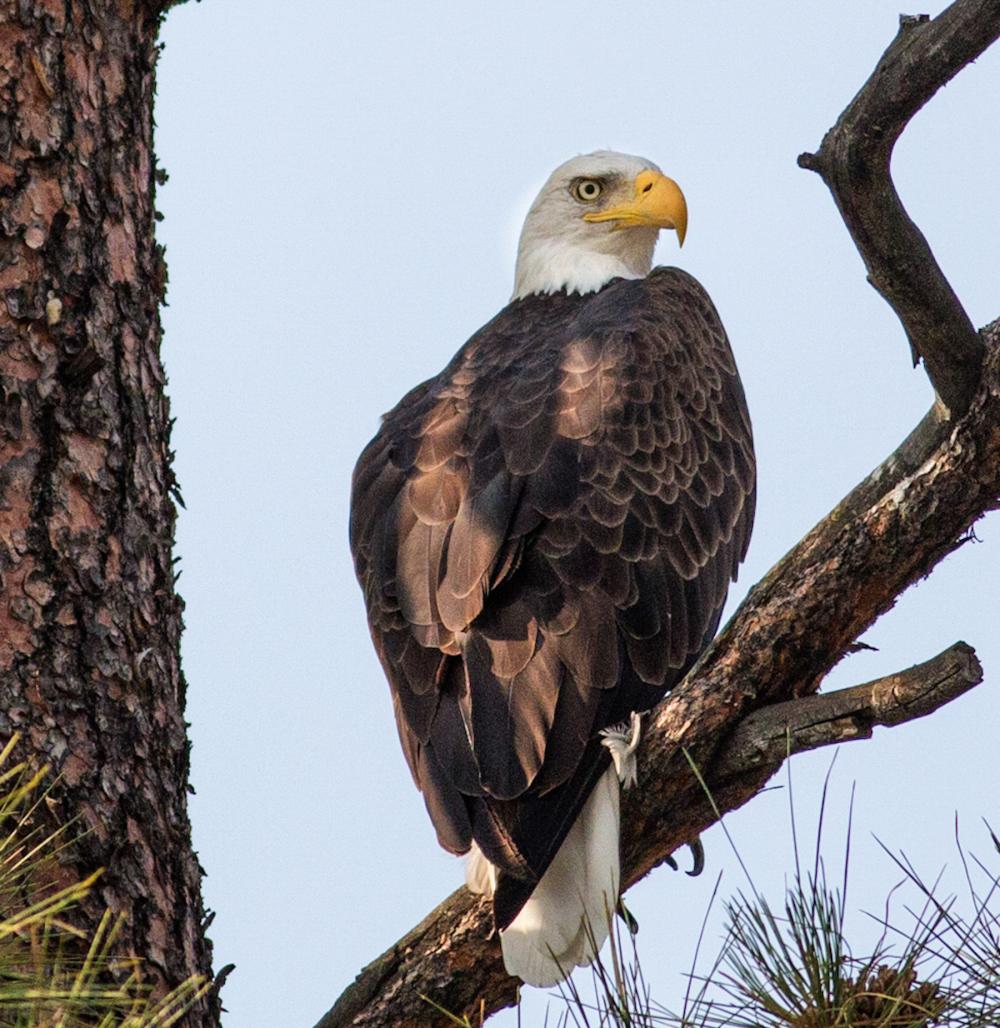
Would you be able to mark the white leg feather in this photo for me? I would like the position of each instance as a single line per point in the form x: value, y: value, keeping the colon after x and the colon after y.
x: 480, y: 874
x: 568, y: 916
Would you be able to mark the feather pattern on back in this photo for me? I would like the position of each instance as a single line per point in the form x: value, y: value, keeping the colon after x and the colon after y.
x: 545, y: 533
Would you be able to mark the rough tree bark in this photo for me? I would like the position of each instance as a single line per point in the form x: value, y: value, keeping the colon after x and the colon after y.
x: 750, y: 701
x: 89, y: 620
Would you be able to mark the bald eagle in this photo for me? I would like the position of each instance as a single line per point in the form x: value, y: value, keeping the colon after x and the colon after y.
x: 545, y: 533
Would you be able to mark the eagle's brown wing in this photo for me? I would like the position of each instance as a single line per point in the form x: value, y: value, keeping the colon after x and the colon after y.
x: 545, y: 534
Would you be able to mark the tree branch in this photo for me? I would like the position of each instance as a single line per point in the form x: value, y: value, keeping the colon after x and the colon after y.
x: 804, y: 615
x: 853, y: 161
x: 770, y: 734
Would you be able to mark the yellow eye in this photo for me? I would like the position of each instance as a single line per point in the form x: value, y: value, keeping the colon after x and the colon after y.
x: 587, y: 190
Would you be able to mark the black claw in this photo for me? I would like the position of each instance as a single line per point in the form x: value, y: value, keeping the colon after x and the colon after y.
x: 698, y: 856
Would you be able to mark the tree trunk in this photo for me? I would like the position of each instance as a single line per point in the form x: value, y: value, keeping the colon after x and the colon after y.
x: 89, y: 620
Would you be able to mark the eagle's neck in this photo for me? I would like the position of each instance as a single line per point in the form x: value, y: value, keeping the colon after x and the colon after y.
x: 548, y: 265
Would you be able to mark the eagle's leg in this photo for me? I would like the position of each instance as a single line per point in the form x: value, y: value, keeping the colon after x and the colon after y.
x: 622, y: 741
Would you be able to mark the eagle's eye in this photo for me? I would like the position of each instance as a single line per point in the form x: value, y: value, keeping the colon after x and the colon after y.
x: 587, y: 190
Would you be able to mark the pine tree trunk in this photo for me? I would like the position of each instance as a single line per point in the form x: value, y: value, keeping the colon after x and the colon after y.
x: 89, y: 620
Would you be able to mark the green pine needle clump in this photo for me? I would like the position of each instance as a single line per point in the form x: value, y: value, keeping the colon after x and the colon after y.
x: 796, y: 968
x: 52, y: 975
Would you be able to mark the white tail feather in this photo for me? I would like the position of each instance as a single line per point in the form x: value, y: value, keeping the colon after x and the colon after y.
x: 568, y: 916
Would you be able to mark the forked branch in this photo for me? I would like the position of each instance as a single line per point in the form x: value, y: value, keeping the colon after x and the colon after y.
x: 854, y: 159
x: 749, y: 700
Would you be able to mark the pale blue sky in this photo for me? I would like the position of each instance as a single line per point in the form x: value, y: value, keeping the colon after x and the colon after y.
x: 346, y: 185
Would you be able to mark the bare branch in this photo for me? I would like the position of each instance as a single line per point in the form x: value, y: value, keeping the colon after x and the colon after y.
x: 765, y: 737
x: 853, y: 160
x: 807, y: 611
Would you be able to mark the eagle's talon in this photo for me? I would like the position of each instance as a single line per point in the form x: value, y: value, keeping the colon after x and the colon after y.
x: 628, y: 917
x: 698, y: 856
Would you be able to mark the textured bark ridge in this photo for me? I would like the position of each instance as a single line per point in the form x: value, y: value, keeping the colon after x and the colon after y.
x: 750, y: 702
x: 89, y: 620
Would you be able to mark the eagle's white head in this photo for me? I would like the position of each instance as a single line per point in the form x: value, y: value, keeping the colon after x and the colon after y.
x: 596, y: 218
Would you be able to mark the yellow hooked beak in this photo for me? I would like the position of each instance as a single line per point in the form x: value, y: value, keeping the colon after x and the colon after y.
x: 658, y: 203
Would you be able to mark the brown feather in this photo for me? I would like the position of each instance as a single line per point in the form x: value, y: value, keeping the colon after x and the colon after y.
x: 544, y: 534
